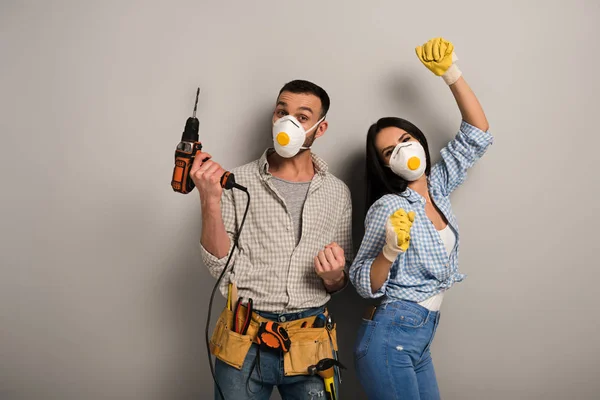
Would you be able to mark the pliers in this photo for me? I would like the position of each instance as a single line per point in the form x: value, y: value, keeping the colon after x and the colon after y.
x: 243, y: 328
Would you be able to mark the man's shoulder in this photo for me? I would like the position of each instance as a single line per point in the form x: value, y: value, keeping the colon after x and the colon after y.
x: 251, y: 166
x: 337, y: 185
x: 248, y: 171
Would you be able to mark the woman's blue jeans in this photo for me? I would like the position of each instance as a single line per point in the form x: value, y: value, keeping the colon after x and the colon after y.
x: 392, y: 355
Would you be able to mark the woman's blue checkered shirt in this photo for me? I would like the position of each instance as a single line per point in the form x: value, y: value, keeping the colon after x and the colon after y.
x: 425, y: 269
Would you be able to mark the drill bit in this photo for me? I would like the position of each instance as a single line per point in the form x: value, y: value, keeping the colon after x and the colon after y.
x: 196, y: 104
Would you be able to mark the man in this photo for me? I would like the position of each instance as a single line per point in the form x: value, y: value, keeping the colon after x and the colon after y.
x: 292, y: 251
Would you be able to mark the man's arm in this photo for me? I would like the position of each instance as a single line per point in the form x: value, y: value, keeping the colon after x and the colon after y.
x: 214, y: 237
x: 331, y: 262
x: 217, y: 205
x: 206, y: 174
x: 330, y: 265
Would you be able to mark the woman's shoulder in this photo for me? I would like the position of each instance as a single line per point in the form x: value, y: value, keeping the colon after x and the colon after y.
x: 390, y: 202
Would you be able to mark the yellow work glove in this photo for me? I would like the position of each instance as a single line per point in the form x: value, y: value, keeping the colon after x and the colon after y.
x: 438, y: 56
x: 397, y: 233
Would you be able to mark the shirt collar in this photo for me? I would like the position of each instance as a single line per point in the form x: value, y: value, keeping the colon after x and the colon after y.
x: 321, y: 166
x: 413, y: 196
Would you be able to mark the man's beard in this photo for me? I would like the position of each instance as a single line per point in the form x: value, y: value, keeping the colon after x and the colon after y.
x: 308, y: 142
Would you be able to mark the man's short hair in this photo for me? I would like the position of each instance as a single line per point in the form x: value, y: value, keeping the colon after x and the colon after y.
x: 305, y: 87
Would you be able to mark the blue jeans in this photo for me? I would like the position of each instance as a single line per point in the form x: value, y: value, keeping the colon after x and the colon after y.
x: 260, y: 374
x: 392, y: 355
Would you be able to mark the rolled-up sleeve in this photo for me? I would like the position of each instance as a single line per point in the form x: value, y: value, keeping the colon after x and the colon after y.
x: 343, y: 236
x: 215, y: 265
x: 458, y: 156
x: 372, y: 244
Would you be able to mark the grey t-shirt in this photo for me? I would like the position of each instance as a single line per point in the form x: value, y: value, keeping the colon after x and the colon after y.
x: 294, y: 194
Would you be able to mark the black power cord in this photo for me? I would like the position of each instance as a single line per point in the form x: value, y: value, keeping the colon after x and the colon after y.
x: 219, y: 279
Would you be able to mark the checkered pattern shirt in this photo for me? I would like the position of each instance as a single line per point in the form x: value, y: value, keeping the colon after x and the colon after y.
x: 269, y: 267
x: 425, y: 269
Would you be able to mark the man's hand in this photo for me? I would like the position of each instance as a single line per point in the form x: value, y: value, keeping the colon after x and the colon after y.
x: 207, y: 174
x: 330, y: 264
x: 397, y: 234
x: 438, y: 56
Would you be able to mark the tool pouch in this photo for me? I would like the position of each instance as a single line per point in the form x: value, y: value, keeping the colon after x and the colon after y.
x: 227, y: 345
x: 309, y: 345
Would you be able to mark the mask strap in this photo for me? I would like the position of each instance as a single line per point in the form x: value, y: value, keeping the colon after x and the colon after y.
x: 313, y: 127
x: 318, y: 122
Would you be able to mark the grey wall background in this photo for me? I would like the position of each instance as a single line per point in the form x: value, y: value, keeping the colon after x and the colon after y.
x: 102, y: 292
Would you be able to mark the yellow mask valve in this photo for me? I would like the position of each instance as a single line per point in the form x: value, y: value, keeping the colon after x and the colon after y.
x: 283, y: 138
x: 414, y: 163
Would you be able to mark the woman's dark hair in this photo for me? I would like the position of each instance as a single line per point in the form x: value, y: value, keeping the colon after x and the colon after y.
x: 380, y: 179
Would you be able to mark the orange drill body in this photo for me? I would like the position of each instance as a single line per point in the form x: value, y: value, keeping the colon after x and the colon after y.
x: 186, y: 152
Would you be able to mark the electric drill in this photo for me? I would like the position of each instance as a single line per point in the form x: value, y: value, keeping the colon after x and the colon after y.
x: 185, y: 154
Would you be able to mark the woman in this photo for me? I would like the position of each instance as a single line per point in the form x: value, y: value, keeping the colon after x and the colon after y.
x: 408, y: 256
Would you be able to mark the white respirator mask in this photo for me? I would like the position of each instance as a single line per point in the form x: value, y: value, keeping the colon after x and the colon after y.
x: 408, y: 160
x: 289, y: 136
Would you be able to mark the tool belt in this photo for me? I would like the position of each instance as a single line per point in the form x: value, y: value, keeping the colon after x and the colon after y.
x: 308, y: 345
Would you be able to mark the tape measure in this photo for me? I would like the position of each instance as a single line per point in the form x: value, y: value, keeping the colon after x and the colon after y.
x: 273, y: 336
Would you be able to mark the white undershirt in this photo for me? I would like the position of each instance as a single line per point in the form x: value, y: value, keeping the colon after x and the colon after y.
x: 434, y: 303
x: 449, y: 238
